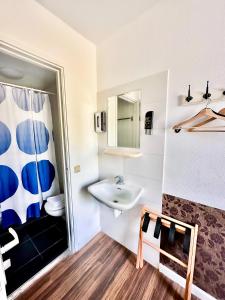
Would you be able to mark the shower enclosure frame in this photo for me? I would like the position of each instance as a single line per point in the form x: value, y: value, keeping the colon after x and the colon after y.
x: 61, y: 102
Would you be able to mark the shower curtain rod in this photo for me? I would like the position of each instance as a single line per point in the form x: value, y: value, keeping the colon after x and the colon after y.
x: 24, y: 87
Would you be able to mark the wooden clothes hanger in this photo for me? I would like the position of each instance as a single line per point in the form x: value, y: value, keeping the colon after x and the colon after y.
x: 206, y: 121
x: 209, y: 115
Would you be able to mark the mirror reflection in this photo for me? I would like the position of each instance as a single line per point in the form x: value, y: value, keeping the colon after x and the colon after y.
x: 124, y: 120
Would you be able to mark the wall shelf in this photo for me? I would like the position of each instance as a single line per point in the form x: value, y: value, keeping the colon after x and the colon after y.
x: 123, y: 152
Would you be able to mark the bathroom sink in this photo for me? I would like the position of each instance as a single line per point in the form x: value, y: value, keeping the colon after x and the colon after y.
x: 118, y: 196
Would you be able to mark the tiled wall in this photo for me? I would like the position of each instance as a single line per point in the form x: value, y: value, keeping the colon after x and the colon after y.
x: 209, y: 272
x: 146, y: 171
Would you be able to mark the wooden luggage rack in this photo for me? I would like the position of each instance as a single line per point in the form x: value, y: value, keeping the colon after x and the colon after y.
x: 181, y: 227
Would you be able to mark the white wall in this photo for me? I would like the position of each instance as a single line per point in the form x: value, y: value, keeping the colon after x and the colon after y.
x: 146, y: 171
x: 29, y: 26
x: 187, y: 37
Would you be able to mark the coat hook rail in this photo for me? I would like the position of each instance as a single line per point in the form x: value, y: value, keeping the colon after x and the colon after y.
x: 196, y: 98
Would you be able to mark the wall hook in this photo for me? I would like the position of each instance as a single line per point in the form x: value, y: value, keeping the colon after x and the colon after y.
x: 189, y: 97
x: 207, y: 94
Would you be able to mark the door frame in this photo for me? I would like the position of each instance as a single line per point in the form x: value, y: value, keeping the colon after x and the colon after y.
x: 61, y: 102
x: 3, y: 295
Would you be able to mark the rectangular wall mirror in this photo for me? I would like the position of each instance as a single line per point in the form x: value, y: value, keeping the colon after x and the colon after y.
x: 124, y: 120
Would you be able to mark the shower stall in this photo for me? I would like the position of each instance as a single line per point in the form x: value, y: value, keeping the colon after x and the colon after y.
x: 34, y: 182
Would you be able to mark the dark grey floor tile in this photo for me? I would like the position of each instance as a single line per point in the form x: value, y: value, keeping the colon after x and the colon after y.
x: 21, y: 254
x: 47, y: 238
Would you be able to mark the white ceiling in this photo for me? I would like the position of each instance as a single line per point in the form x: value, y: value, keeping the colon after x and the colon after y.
x: 97, y: 19
x: 32, y: 76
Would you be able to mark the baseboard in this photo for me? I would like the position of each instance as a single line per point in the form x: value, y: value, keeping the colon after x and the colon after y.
x: 181, y: 281
x: 83, y: 242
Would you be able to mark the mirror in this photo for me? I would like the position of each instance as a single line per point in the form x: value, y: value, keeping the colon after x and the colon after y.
x: 124, y: 120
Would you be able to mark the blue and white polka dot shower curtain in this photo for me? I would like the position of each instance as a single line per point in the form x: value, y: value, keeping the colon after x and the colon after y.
x: 28, y: 172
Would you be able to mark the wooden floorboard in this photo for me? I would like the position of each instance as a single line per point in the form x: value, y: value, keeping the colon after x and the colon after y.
x: 102, y: 270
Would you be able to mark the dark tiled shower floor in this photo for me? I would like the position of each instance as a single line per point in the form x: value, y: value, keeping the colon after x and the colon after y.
x: 41, y: 241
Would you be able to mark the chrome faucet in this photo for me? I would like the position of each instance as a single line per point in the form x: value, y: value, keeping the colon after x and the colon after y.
x: 119, y: 179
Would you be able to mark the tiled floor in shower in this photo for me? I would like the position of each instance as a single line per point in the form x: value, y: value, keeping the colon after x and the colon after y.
x: 41, y: 241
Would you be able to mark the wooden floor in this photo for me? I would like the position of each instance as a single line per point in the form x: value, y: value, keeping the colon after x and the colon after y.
x: 102, y: 270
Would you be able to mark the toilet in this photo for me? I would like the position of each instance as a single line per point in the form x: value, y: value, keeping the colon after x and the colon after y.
x: 55, y: 206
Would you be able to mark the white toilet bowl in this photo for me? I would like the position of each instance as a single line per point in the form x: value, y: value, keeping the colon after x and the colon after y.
x: 53, y: 211
x: 55, y: 206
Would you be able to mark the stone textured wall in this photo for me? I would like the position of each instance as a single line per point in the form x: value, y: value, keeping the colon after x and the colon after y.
x: 209, y: 272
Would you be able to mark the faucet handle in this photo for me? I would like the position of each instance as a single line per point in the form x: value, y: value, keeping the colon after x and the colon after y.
x: 119, y: 179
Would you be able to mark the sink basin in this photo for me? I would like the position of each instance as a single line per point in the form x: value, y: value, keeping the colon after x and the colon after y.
x: 117, y: 196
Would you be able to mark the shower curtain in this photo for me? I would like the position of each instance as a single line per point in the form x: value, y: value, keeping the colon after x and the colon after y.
x: 28, y: 173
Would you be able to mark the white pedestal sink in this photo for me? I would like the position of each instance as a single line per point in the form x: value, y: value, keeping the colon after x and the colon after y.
x: 117, y: 196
